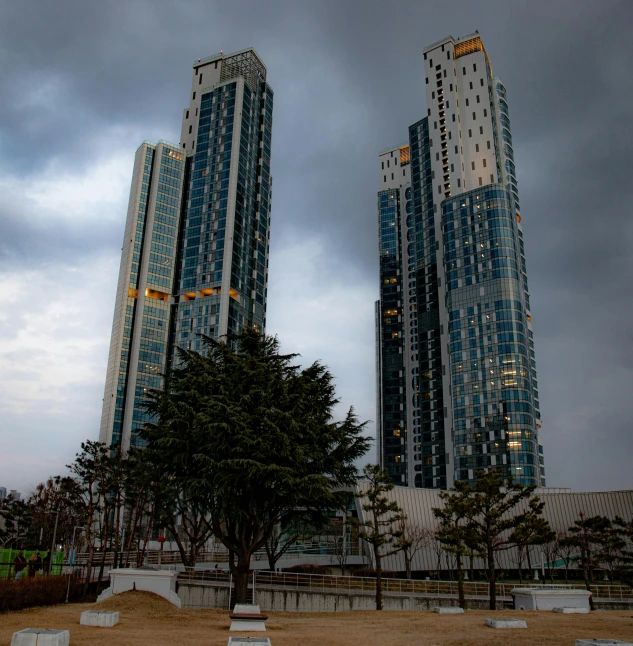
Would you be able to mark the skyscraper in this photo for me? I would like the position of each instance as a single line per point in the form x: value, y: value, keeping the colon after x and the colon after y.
x: 196, y: 243
x: 457, y: 388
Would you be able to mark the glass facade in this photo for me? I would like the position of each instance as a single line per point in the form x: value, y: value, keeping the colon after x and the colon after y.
x: 195, y: 250
x: 456, y: 371
x: 391, y: 326
x: 493, y: 402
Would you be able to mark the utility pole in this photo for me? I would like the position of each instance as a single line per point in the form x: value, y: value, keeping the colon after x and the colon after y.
x: 52, y: 553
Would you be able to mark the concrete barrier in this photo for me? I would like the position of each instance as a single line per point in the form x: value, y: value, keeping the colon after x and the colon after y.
x: 41, y: 637
x: 160, y: 582
x: 506, y: 623
x: 572, y: 611
x: 601, y: 642
x: 101, y: 618
x: 448, y: 610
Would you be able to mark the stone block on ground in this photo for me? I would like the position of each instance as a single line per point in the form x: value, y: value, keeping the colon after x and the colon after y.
x: 506, y: 623
x: 246, y: 618
x: 602, y: 642
x: 253, y: 641
x: 448, y: 610
x: 101, y: 618
x: 41, y: 637
x: 572, y: 611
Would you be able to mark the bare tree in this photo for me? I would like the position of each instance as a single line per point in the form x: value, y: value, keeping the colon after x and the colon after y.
x: 413, y: 538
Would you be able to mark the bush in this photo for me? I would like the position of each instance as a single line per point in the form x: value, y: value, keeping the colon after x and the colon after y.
x: 368, y: 572
x: 308, y: 569
x: 39, y: 591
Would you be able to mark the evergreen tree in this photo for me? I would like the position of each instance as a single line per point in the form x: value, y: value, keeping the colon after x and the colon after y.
x: 251, y: 436
x: 381, y: 519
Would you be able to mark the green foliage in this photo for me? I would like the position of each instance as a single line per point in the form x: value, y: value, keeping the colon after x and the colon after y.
x: 454, y: 531
x: 493, y: 522
x: 249, y: 437
x: 382, y: 518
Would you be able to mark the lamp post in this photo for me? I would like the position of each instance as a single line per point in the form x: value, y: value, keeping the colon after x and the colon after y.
x: 72, y: 542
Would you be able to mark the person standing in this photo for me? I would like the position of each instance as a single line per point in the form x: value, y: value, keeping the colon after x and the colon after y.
x: 35, y: 564
x: 46, y: 563
x: 20, y: 564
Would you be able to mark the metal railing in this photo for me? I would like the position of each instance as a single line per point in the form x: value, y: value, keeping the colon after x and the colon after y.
x: 356, y: 584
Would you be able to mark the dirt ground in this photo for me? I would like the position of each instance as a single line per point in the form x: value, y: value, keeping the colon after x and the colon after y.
x: 149, y: 619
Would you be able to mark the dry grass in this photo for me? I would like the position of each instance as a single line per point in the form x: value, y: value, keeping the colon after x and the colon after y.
x: 148, y: 619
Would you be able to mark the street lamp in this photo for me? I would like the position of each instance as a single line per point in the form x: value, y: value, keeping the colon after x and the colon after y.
x: 72, y: 542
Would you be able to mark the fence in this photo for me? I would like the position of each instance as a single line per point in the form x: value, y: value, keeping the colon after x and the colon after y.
x: 357, y: 584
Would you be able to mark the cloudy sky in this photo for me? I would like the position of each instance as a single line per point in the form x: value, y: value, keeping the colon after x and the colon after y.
x: 83, y: 83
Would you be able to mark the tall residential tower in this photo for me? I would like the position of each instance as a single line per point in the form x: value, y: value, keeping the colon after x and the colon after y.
x: 457, y: 389
x: 195, y: 250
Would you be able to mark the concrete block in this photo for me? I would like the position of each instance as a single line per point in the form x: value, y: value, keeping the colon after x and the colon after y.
x: 251, y: 621
x: 100, y: 618
x: 41, y: 637
x: 549, y: 598
x: 506, y: 623
x: 572, y: 611
x: 243, y: 641
x: 246, y: 609
x: 601, y: 642
x: 448, y: 610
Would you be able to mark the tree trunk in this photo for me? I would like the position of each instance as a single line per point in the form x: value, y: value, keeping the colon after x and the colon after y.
x: 378, y: 580
x: 492, y: 578
x: 472, y: 566
x: 529, y: 561
x: 91, y: 552
x: 240, y: 571
x: 586, y: 571
x: 407, y: 563
x: 460, y: 581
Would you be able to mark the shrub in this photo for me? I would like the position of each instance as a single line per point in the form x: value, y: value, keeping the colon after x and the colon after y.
x: 38, y: 591
x: 308, y: 568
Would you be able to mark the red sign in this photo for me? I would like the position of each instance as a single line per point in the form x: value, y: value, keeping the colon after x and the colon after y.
x: 161, y: 539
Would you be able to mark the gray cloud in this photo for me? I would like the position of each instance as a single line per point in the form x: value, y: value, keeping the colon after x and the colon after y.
x: 79, y: 80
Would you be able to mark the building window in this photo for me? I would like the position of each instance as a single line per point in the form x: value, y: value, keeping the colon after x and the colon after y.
x: 481, y: 130
x: 470, y: 132
x: 492, y: 178
x: 478, y: 98
x: 481, y: 182
x: 427, y: 80
x: 473, y: 165
x: 452, y: 168
x: 194, y: 96
x: 383, y: 165
x: 485, y: 112
x: 384, y: 179
x: 482, y: 82
x: 391, y: 175
x: 455, y: 149
x: 187, y: 115
x: 200, y: 80
x: 403, y: 172
x: 488, y: 144
x: 484, y: 163
x: 448, y: 56
x: 451, y: 86
x: 476, y: 148
x: 435, y: 125
x: 467, y: 103
x: 459, y: 183
x: 474, y: 67
x: 453, y: 118
x: 464, y: 71
x: 190, y: 127
x: 474, y: 116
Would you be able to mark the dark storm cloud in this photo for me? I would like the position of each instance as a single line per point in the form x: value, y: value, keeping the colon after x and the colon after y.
x: 348, y: 81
